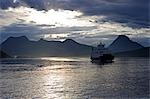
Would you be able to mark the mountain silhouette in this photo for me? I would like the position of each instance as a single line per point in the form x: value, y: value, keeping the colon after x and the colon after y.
x: 123, y: 44
x: 23, y: 47
x: 142, y: 52
x: 4, y: 55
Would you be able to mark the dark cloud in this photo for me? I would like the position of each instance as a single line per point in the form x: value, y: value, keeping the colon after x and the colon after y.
x: 37, y: 4
x: 132, y: 12
x: 4, y: 4
x: 136, y: 11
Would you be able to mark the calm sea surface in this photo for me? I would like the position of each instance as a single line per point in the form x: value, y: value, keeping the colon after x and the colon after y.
x: 74, y: 78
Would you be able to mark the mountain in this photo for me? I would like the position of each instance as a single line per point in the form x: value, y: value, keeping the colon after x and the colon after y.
x: 123, y: 44
x: 3, y: 55
x: 142, y: 52
x: 23, y: 47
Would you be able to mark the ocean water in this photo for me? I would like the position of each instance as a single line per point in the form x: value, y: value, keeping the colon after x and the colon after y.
x: 74, y: 78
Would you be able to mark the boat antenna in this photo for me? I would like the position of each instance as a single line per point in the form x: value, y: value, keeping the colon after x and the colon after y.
x: 100, y: 41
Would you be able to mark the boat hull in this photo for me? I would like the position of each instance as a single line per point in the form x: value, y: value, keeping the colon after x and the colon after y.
x: 104, y: 58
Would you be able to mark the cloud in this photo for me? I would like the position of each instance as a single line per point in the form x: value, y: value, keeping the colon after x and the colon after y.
x: 55, y: 18
x: 36, y: 32
x: 19, y: 30
x: 132, y: 12
x: 121, y: 11
x: 87, y: 35
x: 85, y: 21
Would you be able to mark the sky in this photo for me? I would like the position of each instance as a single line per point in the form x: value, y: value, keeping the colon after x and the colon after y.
x: 85, y: 21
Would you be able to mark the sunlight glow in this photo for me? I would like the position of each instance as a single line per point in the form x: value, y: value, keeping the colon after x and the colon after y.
x: 57, y: 18
x: 62, y: 24
x: 55, y: 36
x: 53, y: 18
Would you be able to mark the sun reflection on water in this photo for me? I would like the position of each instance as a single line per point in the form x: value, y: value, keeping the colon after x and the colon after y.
x: 61, y: 59
x: 56, y: 59
x: 75, y: 80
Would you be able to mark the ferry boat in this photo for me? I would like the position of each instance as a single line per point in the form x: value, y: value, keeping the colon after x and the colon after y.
x: 101, y: 54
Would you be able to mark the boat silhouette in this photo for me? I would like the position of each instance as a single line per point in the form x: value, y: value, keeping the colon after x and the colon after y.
x: 101, y: 54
